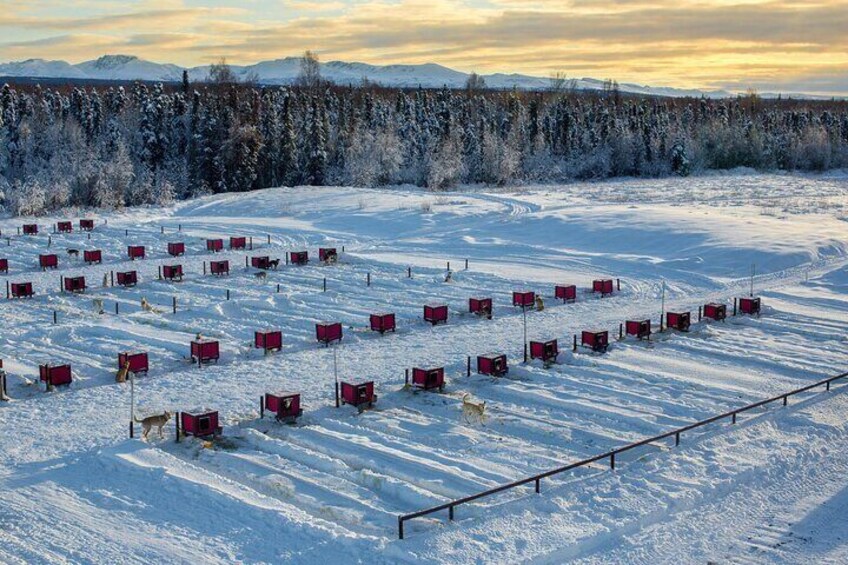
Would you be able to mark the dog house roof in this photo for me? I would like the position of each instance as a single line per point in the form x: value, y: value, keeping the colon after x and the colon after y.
x: 199, y: 411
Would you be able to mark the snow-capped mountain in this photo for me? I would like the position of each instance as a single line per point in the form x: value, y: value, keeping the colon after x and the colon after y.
x: 284, y: 71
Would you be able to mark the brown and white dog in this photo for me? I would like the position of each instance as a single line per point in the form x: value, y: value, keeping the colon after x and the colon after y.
x: 151, y: 422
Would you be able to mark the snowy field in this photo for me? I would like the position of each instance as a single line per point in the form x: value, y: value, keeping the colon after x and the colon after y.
x: 772, y: 488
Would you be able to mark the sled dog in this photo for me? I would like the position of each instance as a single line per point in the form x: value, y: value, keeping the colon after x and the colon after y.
x: 151, y: 422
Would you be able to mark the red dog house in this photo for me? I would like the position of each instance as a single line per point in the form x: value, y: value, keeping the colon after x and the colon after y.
x: 55, y: 375
x: 64, y: 227
x: 49, y: 261
x: 86, y: 225
x: 263, y: 262
x: 328, y: 332
x: 525, y: 299
x: 382, y: 323
x: 128, y: 278
x: 200, y: 423
x: 92, y: 256
x: 359, y: 395
x: 172, y: 272
x: 238, y: 243
x: 74, y: 284
x: 436, y: 313
x: 715, y: 311
x: 596, y: 341
x: 204, y: 350
x: 566, y: 293
x: 750, y: 306
x: 299, y: 257
x: 638, y: 328
x: 269, y: 340
x: 327, y: 254
x: 214, y: 245
x: 176, y: 248
x: 480, y: 306
x: 603, y: 286
x: 4, y: 265
x: 135, y: 252
x: 30, y: 229
x: 284, y: 405
x: 21, y: 290
x: 493, y: 364
x: 219, y: 267
x: 138, y: 362
x: 679, y: 321
x: 429, y: 379
x: 547, y: 351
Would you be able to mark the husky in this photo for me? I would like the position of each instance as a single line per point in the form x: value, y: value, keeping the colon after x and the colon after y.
x: 274, y: 263
x: 473, y: 411
x: 261, y: 275
x: 150, y: 422
x: 73, y: 252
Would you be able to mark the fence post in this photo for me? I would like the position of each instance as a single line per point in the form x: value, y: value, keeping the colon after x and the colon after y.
x: 618, y: 284
x: 228, y: 294
x: 409, y: 272
x: 111, y: 278
x: 538, y: 486
x: 55, y: 318
x: 368, y: 279
x: 466, y: 264
x: 325, y: 284
x: 734, y: 306
x: 116, y: 309
x: 612, y: 460
x: 8, y: 295
x: 177, y: 426
x: 448, y: 265
x: 450, y: 513
x: 251, y: 244
x: 269, y: 239
x: 620, y: 331
x: 828, y: 382
x: 406, y: 377
x: 575, y: 343
x: 261, y: 407
x: 785, y: 399
x: 677, y: 438
x: 468, y: 367
x: 175, y: 304
x: 699, y: 312
x: 278, y: 288
x: 49, y: 240
x: 246, y: 265
x: 734, y: 418
x: 400, y: 527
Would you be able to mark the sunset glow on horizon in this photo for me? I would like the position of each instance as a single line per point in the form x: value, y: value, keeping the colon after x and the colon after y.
x: 770, y: 46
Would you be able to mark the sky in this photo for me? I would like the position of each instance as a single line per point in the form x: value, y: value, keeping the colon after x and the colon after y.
x: 769, y: 46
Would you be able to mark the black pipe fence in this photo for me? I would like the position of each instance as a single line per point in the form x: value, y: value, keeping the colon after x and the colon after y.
x: 610, y: 455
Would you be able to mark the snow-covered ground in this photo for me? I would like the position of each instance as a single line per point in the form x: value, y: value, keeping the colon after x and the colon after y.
x: 772, y: 488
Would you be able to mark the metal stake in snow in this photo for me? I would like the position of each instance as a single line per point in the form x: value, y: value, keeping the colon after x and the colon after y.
x: 524, y: 315
x: 336, y: 374
x: 753, y: 273
x: 132, y: 405
x: 662, y: 310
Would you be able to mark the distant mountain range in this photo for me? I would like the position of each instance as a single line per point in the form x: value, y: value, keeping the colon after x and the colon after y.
x: 284, y: 71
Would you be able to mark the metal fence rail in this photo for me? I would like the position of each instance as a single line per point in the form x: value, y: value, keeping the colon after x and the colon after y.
x: 537, y: 479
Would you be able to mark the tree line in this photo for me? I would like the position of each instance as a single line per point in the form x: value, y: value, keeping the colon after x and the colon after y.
x: 144, y: 144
